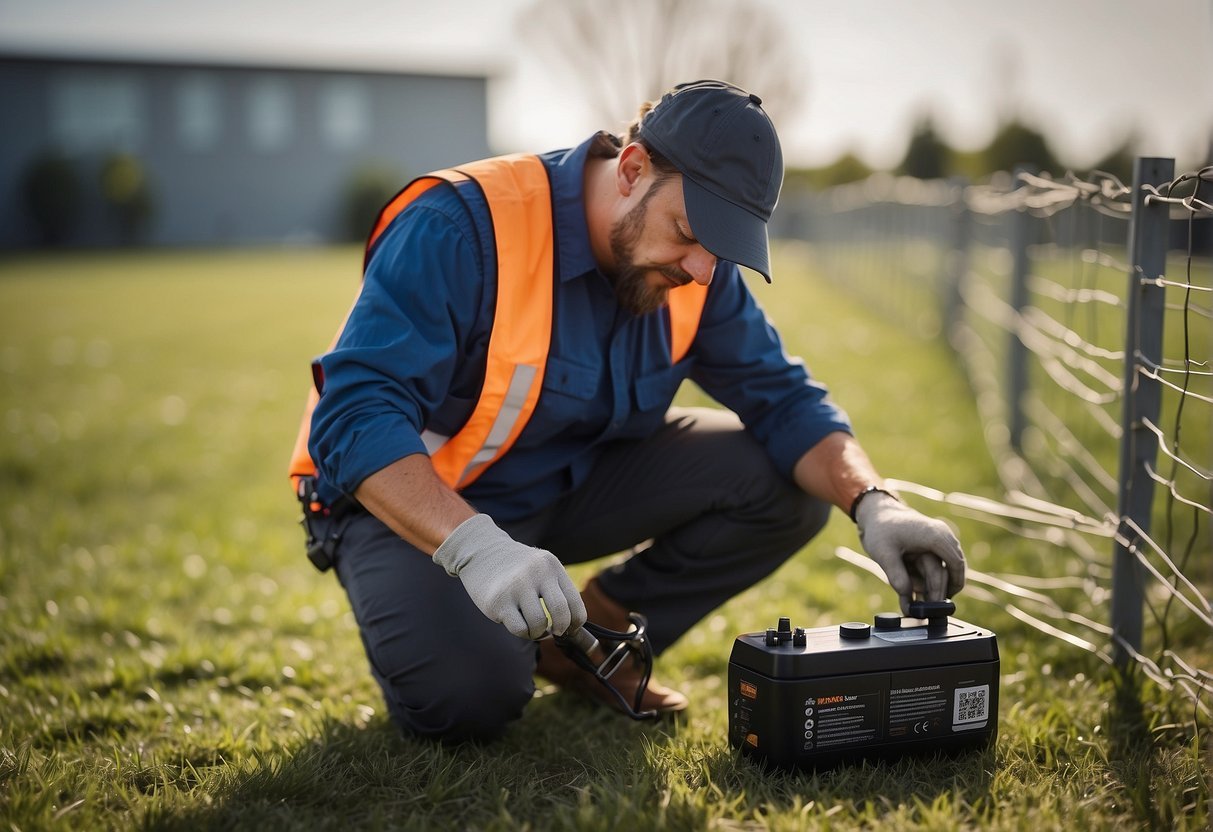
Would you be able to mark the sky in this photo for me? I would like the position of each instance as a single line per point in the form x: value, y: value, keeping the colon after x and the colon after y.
x: 1088, y: 73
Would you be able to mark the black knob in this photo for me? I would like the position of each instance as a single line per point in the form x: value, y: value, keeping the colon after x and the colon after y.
x: 935, y: 612
x: 798, y: 638
x: 888, y: 621
x: 854, y: 630
x: 785, y: 626
x: 772, y: 639
x: 932, y: 609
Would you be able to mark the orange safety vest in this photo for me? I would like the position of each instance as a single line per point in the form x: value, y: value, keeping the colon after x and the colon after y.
x: 518, y: 193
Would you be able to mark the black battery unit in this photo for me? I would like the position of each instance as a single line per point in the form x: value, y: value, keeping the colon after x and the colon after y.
x: 812, y: 698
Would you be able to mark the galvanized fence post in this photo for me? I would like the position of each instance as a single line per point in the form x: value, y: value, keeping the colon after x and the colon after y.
x: 961, y: 221
x: 1149, y: 228
x: 1017, y: 352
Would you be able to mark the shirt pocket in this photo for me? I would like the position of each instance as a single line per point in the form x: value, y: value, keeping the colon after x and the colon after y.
x: 569, y: 378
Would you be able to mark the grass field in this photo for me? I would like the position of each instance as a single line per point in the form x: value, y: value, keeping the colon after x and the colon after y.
x: 169, y: 659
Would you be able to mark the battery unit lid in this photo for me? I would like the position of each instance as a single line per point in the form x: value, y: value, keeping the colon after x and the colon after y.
x: 827, y: 652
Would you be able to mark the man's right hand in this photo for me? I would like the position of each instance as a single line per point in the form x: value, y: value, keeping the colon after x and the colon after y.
x: 508, y: 580
x: 919, y: 554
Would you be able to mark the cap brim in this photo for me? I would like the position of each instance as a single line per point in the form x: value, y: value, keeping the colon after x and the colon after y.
x: 727, y: 231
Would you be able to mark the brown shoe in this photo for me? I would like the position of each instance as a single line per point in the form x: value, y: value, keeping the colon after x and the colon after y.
x: 558, y: 668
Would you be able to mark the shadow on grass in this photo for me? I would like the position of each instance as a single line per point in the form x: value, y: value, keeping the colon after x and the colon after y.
x: 342, y: 776
x: 1132, y: 753
x: 564, y: 765
x: 962, y: 780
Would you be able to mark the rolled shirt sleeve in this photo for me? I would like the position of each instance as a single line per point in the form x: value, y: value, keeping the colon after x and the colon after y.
x: 412, y: 325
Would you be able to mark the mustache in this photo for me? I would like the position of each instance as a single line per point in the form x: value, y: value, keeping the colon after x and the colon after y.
x: 676, y: 274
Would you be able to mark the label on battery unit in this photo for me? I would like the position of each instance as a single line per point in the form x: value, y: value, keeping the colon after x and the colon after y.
x: 935, y: 702
x: 845, y: 713
x: 917, y: 709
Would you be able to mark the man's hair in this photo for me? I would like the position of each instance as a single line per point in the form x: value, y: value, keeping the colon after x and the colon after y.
x: 607, y: 145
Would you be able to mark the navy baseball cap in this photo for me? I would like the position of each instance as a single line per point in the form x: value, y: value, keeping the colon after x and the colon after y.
x: 726, y: 148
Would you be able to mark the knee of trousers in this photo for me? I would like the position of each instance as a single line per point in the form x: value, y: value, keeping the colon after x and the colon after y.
x: 775, y: 509
x: 464, y: 695
x: 781, y: 525
x: 759, y: 494
x: 761, y: 510
x: 807, y: 515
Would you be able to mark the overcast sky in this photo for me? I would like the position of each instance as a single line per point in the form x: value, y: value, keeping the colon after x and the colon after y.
x: 1088, y: 72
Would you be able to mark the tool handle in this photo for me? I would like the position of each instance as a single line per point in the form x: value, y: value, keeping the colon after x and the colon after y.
x: 582, y: 640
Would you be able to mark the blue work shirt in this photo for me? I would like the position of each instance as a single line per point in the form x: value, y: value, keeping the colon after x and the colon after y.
x: 412, y: 356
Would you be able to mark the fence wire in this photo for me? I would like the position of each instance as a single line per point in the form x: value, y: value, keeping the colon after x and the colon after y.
x: 1029, y: 278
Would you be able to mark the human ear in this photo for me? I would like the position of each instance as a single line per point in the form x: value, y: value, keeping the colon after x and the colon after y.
x: 632, y: 166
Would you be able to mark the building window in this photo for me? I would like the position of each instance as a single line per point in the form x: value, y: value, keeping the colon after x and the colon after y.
x: 97, y: 110
x: 199, y: 112
x: 345, y: 113
x: 270, y: 114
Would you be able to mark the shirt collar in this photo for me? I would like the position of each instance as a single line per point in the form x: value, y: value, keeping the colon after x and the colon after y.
x: 567, y: 171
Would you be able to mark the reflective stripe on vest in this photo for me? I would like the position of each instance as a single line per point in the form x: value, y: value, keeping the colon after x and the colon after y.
x: 519, y: 198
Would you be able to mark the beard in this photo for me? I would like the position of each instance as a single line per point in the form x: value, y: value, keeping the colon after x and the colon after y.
x: 630, y: 280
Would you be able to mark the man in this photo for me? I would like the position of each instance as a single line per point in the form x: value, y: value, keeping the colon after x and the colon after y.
x: 497, y: 405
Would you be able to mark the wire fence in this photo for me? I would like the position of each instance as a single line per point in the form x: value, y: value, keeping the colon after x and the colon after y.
x: 1082, y: 313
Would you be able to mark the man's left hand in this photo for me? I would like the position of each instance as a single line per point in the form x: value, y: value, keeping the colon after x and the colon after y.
x: 919, y: 554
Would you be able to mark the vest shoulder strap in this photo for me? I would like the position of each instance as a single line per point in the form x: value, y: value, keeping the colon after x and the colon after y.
x: 520, y: 204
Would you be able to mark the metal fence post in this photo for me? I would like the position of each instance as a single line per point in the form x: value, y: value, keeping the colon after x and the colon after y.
x: 961, y: 222
x: 1149, y: 228
x: 1017, y: 352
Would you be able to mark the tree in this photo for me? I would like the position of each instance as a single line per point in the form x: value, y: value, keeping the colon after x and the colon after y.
x: 845, y: 169
x: 623, y: 53
x: 1018, y: 145
x: 927, y: 156
x: 1119, y: 160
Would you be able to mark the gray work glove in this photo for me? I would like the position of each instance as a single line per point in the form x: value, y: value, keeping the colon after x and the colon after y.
x: 919, y: 554
x: 506, y: 579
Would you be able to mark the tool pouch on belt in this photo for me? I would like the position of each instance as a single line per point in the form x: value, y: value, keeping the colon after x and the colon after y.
x: 323, y: 525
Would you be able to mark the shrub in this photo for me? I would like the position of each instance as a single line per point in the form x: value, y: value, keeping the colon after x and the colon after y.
x: 369, y: 189
x: 51, y: 190
x: 125, y: 189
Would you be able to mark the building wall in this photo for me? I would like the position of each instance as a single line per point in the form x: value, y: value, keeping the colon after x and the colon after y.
x: 234, y: 155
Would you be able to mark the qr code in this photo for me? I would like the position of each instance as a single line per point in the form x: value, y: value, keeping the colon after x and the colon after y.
x: 972, y: 705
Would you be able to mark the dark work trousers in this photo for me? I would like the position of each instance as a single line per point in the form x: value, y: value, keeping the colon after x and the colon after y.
x: 700, y: 498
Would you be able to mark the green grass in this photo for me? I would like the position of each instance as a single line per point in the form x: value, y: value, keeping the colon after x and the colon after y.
x: 169, y: 659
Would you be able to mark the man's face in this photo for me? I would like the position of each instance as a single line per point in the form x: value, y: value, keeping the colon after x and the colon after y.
x: 654, y: 249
